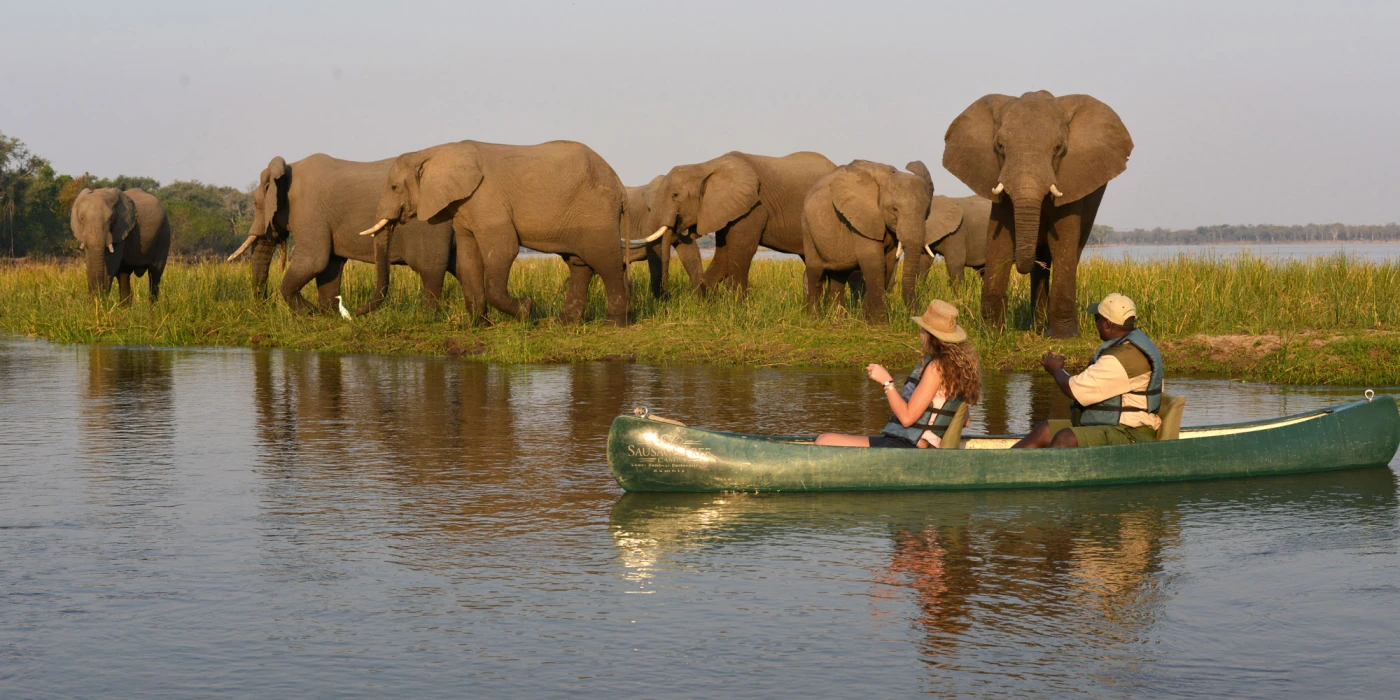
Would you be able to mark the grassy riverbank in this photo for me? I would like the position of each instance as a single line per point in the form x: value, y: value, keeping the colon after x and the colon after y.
x: 1325, y: 321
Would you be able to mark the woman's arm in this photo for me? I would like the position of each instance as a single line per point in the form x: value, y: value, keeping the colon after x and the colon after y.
x: 908, y: 413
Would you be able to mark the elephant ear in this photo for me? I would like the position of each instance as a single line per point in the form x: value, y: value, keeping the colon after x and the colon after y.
x: 856, y: 197
x: 730, y: 191
x: 124, y: 222
x: 944, y: 217
x: 918, y: 168
x: 74, y: 214
x: 1096, y: 150
x: 449, y: 174
x: 274, y: 178
x: 969, y: 146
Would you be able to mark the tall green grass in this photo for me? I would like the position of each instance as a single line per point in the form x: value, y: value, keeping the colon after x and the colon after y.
x: 1329, y: 320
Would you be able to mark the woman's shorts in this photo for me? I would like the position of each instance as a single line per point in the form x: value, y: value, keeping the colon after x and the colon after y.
x: 887, y: 441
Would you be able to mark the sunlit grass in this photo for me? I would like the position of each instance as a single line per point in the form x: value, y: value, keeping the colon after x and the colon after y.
x: 1330, y: 320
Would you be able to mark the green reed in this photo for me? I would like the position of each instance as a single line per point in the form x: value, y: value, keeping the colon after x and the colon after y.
x: 1330, y: 320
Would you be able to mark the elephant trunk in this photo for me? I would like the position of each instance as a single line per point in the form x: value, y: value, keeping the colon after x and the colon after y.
x: 99, y: 281
x: 912, y: 240
x: 381, y: 270
x: 1027, y: 217
x: 261, y: 262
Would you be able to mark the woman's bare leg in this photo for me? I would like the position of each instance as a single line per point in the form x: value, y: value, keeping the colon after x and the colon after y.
x: 840, y: 440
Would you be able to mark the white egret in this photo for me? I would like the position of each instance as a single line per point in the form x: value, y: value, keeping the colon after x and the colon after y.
x: 344, y: 312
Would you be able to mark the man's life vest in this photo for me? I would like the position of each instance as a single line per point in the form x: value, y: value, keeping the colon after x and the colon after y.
x: 934, y: 419
x: 1110, y: 411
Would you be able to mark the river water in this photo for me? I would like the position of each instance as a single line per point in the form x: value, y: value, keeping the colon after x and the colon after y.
x: 252, y: 523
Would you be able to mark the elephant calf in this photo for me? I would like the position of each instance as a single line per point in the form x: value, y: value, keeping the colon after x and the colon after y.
x: 957, y: 230
x: 856, y: 218
x: 121, y: 233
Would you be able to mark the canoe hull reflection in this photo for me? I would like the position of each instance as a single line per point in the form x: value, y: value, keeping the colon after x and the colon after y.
x: 648, y: 455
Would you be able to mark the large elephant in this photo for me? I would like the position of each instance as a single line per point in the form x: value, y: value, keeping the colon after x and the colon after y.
x: 745, y: 200
x: 655, y: 246
x: 121, y: 233
x: 324, y: 203
x: 1045, y: 162
x: 856, y: 218
x: 957, y: 230
x: 557, y: 197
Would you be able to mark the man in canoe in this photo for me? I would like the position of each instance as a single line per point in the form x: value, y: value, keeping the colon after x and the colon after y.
x: 1117, y: 398
x: 948, y: 375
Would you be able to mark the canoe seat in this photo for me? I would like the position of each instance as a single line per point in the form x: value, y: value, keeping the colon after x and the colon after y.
x: 952, y: 437
x: 1170, y: 413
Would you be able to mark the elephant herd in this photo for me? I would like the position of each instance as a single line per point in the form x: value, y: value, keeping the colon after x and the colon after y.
x: 1038, y: 165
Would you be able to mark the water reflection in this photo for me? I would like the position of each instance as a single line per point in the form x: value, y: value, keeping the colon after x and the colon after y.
x: 127, y: 419
x: 1039, y: 580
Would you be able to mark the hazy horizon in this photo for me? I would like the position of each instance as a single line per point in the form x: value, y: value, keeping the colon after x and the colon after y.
x: 1242, y: 113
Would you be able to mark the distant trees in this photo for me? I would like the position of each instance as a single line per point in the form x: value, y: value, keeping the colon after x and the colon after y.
x: 1251, y: 233
x: 35, y: 203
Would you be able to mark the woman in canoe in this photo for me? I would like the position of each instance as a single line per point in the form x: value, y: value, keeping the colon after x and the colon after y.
x: 947, y: 376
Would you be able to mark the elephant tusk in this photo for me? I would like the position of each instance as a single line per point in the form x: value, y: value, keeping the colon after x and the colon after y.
x: 242, y: 248
x: 899, y: 250
x: 999, y: 188
x: 929, y: 248
x: 375, y: 229
x: 643, y: 242
x: 1056, y: 191
x: 110, y: 249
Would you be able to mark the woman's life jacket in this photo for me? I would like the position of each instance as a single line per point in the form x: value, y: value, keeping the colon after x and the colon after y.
x: 935, y: 420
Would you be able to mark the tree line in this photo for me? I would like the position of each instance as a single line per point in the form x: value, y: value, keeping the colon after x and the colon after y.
x: 35, y: 201
x: 1245, y: 233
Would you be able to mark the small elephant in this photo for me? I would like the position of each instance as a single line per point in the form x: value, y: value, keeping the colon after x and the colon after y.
x: 325, y: 202
x: 1045, y: 162
x: 745, y: 200
x: 856, y: 218
x: 957, y: 230
x: 558, y: 197
x: 122, y: 233
x: 655, y: 246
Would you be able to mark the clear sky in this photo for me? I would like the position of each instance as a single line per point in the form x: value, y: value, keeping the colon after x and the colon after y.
x: 1242, y: 112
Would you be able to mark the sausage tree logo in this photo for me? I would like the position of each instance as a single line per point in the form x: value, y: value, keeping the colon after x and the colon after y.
x: 667, y: 452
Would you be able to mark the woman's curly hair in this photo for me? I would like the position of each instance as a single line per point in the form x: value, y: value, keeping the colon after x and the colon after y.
x: 958, y: 364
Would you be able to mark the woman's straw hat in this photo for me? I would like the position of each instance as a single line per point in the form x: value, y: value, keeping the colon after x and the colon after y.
x: 941, y: 321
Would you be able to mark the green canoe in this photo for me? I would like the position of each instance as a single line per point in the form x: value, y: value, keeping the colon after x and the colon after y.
x: 649, y: 454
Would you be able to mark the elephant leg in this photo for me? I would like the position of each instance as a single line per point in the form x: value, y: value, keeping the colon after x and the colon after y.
x: 891, y: 262
x: 124, y: 287
x: 656, y: 268
x: 432, y: 287
x: 1000, y: 259
x: 872, y: 269
x: 156, y: 272
x: 328, y: 284
x: 1071, y: 233
x: 955, y: 260
x: 498, y: 252
x: 576, y: 298
x: 689, y: 253
x: 1040, y: 286
x: 471, y: 276
x: 304, y: 266
x: 814, y: 275
x: 744, y: 237
x: 618, y: 293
